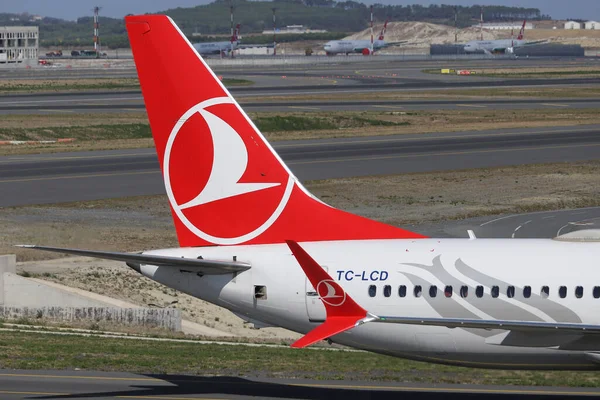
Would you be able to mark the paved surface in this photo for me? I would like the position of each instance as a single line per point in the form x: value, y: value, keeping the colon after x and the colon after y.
x: 101, y: 385
x: 340, y: 66
x: 54, y: 178
x: 132, y: 102
x: 377, y: 75
x: 545, y: 224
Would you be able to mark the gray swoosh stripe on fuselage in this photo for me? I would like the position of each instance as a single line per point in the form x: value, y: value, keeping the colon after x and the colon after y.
x: 495, y: 307
x: 554, y: 310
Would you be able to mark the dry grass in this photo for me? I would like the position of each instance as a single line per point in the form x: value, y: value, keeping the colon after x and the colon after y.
x: 55, y: 85
x: 70, y: 119
x: 426, y: 197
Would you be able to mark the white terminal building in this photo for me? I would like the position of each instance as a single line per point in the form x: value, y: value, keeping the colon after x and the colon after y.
x: 19, y: 45
x: 293, y: 29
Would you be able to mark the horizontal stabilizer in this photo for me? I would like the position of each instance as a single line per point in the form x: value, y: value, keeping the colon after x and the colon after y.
x: 206, y: 267
x: 332, y: 326
x: 531, y: 326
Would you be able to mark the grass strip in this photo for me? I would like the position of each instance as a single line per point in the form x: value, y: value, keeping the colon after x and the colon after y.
x: 20, y: 350
x: 302, y: 123
x: 284, y: 123
x: 89, y: 84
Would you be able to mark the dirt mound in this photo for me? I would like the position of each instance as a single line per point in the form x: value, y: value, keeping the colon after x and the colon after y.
x: 424, y: 33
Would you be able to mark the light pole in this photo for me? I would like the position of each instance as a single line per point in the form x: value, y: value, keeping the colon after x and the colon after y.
x: 274, y: 9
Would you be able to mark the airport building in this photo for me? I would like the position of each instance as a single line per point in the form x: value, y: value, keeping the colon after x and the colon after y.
x: 19, y: 45
x: 294, y: 29
x: 572, y: 25
x: 592, y: 25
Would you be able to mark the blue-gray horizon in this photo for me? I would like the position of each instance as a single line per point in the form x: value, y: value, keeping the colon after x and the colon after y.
x: 73, y: 9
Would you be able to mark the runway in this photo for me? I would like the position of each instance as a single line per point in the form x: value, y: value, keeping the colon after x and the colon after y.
x: 20, y: 384
x: 64, y: 177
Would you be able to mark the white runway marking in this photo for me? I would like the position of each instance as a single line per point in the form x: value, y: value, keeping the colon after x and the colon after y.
x: 519, y: 227
x: 497, y: 219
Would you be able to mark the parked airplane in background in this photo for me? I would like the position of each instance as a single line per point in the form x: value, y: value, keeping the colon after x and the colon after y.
x: 210, y: 48
x: 500, y: 46
x: 257, y: 242
x: 224, y: 48
x: 334, y: 47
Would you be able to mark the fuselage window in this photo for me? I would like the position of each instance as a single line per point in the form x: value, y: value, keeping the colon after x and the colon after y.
x: 372, y: 291
x: 495, y: 291
x: 418, y: 291
x: 596, y: 292
x: 479, y: 291
x: 510, y: 292
x: 402, y: 291
x: 562, y: 292
x: 545, y: 292
x: 464, y: 291
x: 527, y: 292
x: 432, y: 291
x: 579, y: 292
x: 448, y: 291
x: 387, y: 290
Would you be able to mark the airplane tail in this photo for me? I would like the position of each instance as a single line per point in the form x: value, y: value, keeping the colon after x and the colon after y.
x: 236, y: 33
x: 382, y: 34
x: 522, y: 31
x: 225, y: 183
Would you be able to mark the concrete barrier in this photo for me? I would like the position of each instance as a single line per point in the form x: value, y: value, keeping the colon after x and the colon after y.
x: 8, y: 264
x: 164, y: 318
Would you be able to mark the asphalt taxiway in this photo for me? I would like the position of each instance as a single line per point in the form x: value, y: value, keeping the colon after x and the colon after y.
x: 19, y: 384
x: 64, y: 177
x: 132, y: 102
x: 534, y: 225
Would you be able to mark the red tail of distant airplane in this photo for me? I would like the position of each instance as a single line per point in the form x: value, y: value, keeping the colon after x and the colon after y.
x: 236, y: 33
x: 216, y: 164
x: 382, y: 34
x: 522, y: 31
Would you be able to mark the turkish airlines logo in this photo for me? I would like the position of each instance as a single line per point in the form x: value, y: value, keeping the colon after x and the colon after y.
x: 230, y: 160
x: 331, y: 293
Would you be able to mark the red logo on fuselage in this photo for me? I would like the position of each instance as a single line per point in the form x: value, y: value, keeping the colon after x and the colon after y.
x: 331, y: 293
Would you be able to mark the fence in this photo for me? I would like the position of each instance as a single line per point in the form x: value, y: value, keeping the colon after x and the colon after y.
x: 164, y: 318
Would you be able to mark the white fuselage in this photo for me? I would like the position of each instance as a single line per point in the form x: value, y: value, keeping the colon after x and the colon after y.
x: 490, y: 279
x: 352, y: 46
x: 493, y: 46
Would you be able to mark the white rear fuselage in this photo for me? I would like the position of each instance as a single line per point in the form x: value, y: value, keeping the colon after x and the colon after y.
x: 489, y: 278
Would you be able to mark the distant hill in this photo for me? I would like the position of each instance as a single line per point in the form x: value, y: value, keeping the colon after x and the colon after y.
x: 255, y: 16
